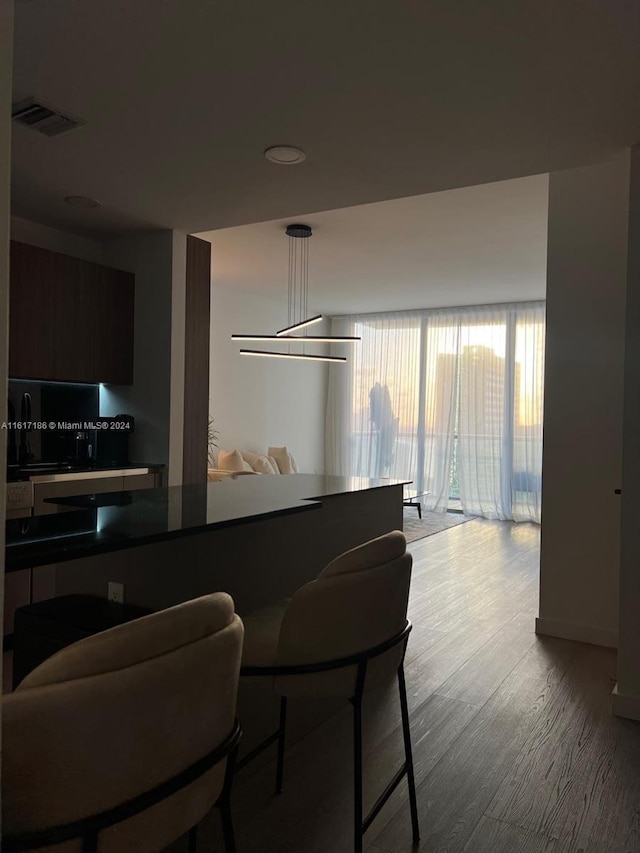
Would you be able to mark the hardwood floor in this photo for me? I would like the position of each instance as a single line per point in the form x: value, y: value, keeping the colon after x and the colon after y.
x: 515, y: 746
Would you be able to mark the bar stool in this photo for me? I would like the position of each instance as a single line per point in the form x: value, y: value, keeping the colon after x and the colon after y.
x: 45, y: 627
x: 128, y: 736
x: 340, y: 635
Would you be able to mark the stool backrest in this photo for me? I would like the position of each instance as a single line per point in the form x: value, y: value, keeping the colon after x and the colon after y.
x: 117, y: 714
x: 358, y: 602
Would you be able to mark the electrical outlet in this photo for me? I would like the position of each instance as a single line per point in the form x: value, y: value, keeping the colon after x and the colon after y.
x: 115, y: 592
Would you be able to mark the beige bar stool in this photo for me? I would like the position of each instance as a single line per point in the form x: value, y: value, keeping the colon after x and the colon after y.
x: 123, y: 741
x: 341, y: 635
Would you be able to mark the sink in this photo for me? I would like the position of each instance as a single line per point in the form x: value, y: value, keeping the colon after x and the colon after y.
x: 46, y: 466
x: 52, y: 468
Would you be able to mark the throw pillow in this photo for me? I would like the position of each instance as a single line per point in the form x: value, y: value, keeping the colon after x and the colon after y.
x: 261, y: 465
x: 283, y: 458
x: 231, y: 460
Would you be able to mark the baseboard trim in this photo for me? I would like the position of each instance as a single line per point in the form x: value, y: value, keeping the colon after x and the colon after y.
x: 625, y: 706
x: 581, y: 633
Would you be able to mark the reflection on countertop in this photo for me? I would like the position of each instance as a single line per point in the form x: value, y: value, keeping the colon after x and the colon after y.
x: 37, y: 471
x: 114, y: 521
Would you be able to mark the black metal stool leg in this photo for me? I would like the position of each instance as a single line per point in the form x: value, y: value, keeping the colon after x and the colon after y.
x: 227, y: 826
x: 224, y: 804
x: 281, y: 742
x: 193, y: 839
x: 90, y: 842
x: 357, y: 774
x: 406, y: 732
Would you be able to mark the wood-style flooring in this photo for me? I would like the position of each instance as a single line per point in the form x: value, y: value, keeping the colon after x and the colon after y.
x: 515, y: 746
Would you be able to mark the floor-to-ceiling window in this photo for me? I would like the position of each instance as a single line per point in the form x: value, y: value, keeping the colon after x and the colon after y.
x: 450, y: 398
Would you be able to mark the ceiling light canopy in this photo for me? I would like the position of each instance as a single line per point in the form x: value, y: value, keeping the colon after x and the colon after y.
x: 298, y: 307
x: 285, y: 155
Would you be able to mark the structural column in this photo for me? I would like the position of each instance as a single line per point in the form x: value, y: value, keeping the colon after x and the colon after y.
x: 196, y: 360
x: 6, y: 69
x: 582, y: 457
x: 626, y: 700
x: 156, y: 398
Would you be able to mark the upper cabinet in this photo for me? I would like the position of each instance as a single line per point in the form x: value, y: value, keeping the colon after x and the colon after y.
x: 70, y: 320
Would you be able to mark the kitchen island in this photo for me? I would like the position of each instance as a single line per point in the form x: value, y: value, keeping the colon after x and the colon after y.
x: 257, y: 537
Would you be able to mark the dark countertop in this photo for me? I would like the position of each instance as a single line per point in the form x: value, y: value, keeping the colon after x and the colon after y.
x: 111, y: 522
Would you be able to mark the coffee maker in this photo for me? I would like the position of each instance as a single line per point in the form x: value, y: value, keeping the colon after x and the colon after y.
x: 83, y: 451
x: 112, y: 441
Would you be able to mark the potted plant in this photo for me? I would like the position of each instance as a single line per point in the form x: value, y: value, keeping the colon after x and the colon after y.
x: 212, y: 441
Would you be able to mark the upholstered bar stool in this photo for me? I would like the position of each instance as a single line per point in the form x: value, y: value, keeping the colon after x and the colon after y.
x: 123, y: 741
x: 340, y: 635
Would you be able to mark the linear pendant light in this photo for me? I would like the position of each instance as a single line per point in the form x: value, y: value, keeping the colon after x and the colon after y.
x: 296, y: 355
x: 313, y: 339
x: 297, y: 326
x: 298, y: 303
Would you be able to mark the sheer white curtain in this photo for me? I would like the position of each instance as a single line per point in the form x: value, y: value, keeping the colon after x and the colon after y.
x: 451, y: 399
x: 372, y: 406
x: 529, y: 335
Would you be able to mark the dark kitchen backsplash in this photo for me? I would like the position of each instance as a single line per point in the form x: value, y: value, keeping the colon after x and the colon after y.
x: 53, y: 402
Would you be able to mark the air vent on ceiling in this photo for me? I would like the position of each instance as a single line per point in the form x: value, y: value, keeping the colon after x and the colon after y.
x: 43, y: 118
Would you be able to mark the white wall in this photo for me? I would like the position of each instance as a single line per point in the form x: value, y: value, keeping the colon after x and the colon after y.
x: 586, y: 293
x: 261, y: 402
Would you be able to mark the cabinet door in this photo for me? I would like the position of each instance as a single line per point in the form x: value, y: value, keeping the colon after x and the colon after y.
x: 139, y: 481
x: 112, y: 294
x: 73, y: 322
x: 70, y: 320
x: 31, y: 337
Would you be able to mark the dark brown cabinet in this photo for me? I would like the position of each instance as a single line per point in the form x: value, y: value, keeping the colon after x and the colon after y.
x: 70, y: 320
x: 112, y: 294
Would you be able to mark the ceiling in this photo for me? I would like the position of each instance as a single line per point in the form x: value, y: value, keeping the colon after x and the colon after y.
x: 388, y: 99
x: 476, y: 245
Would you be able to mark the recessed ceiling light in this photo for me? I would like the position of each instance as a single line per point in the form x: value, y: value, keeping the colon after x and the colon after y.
x: 285, y: 155
x: 81, y: 201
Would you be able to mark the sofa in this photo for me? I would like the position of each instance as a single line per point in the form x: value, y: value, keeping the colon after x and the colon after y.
x: 277, y: 460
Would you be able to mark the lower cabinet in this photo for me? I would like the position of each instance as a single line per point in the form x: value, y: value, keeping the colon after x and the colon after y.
x: 140, y: 481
